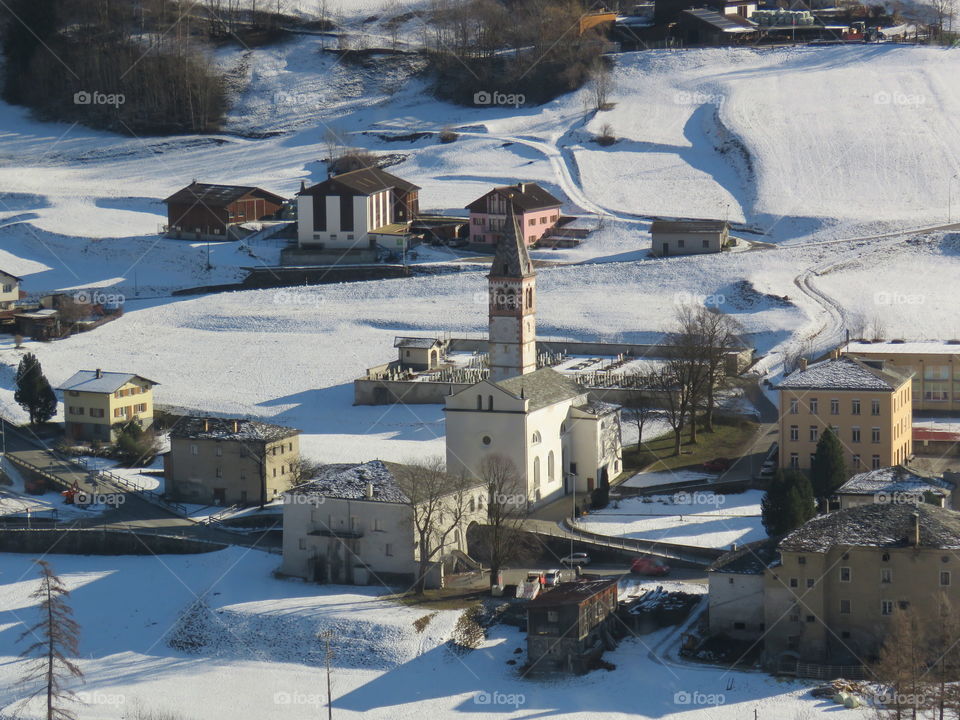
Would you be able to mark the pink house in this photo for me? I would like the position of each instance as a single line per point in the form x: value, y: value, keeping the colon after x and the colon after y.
x: 536, y: 210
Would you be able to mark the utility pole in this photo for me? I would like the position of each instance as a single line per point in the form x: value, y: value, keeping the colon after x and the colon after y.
x: 326, y: 635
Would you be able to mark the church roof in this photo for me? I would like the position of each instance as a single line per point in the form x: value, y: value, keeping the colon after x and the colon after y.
x: 511, y: 259
x: 542, y: 387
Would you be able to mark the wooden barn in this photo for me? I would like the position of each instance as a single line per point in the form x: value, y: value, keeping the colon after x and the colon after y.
x: 202, y: 211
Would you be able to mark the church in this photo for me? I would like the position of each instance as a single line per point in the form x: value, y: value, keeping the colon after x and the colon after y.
x: 559, y: 440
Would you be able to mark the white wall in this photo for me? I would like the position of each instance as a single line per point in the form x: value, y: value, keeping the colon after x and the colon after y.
x: 736, y: 598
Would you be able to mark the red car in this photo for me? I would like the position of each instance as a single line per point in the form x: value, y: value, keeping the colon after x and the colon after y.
x: 649, y: 566
x: 719, y: 464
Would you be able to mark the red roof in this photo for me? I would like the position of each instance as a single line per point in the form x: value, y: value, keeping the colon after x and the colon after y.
x: 940, y: 435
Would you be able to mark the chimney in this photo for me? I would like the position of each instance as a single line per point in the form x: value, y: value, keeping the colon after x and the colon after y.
x: 236, y: 426
x: 835, y: 354
x: 803, y: 364
x: 206, y: 425
x: 521, y: 186
x: 915, y: 519
x: 303, y: 186
x: 369, y: 491
x: 98, y: 373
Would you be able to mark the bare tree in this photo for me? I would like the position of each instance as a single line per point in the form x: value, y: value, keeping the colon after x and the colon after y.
x: 56, y: 639
x: 438, y: 504
x: 716, y: 334
x: 302, y: 469
x: 669, y: 382
x: 601, y: 83
x: 688, y: 362
x: 637, y: 411
x: 901, y: 666
x: 503, y: 536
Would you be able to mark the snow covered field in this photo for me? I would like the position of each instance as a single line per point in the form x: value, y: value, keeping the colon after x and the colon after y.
x: 260, y: 659
x: 702, y: 519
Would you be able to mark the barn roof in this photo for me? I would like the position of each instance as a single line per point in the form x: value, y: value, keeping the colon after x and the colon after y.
x: 524, y: 196
x: 217, y: 195
x: 572, y: 593
x: 364, y: 181
x: 723, y: 23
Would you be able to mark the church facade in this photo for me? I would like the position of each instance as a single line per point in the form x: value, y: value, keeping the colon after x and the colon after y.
x: 559, y: 441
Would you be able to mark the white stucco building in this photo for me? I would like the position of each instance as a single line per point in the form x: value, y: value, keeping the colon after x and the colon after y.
x: 544, y: 422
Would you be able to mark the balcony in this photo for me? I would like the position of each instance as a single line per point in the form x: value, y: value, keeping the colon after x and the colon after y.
x: 341, y: 533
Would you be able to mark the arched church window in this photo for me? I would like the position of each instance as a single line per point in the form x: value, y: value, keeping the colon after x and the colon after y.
x: 536, y: 437
x: 536, y: 472
x: 479, y: 402
x: 489, y: 402
x: 550, y: 467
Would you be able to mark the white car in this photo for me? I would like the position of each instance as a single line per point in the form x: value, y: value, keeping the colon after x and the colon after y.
x: 576, y: 559
x: 552, y: 578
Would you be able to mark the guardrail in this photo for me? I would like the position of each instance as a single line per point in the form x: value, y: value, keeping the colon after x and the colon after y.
x: 218, y: 516
x: 121, y: 482
x: 687, y: 553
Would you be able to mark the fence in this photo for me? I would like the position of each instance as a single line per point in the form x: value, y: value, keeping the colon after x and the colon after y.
x: 829, y: 672
x: 151, y: 496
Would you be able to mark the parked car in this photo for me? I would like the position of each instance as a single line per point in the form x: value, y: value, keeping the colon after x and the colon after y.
x: 575, y: 559
x: 536, y: 576
x: 651, y: 566
x: 552, y: 578
x: 719, y: 464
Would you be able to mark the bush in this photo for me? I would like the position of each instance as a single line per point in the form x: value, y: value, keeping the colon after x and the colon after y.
x: 448, y: 136
x: 468, y: 633
x: 606, y: 136
x: 135, y: 446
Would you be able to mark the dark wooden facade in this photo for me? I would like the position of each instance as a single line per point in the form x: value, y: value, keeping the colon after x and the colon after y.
x: 204, y: 212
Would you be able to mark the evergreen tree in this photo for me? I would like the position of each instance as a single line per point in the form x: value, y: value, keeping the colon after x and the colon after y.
x: 828, y: 470
x: 787, y: 504
x: 34, y: 393
x: 56, y: 639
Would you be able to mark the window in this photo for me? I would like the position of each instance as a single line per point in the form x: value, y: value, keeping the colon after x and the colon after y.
x: 573, y: 468
x: 875, y: 435
x: 814, y: 406
x: 811, y: 582
x: 855, y: 434
x: 856, y: 461
x: 886, y: 576
x: 844, y: 607
x: 794, y: 616
x: 811, y: 618
x: 220, y: 472
x: 874, y: 407
x: 706, y: 244
x: 536, y: 472
x: 794, y: 406
x: 834, y: 407
x: 303, y: 543
x: 794, y: 461
x: 553, y: 616
x: 844, y: 574
x: 489, y: 402
x: 536, y: 437
x: 814, y: 433
x: 96, y: 412
x: 680, y: 243
x: 802, y: 560
x: 479, y: 402
x: 532, y: 222
x: 194, y: 450
x: 875, y: 462
x: 550, y: 466
x: 739, y: 626
x: 854, y: 407
x: 486, y: 440
x: 388, y: 550
x: 886, y: 607
x: 219, y: 450
x: 794, y: 582
x: 794, y: 432
x: 944, y: 578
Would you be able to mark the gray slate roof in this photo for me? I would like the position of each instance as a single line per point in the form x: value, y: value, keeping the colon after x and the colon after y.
x: 415, y: 342
x: 215, y: 428
x: 724, y: 23
x: 690, y: 226
x: 751, y: 559
x: 217, y: 195
x: 365, y: 181
x: 351, y: 482
x: 877, y: 525
x: 596, y: 407
x: 107, y: 382
x: 542, y: 387
x: 523, y: 196
x: 892, y: 480
x: 844, y: 373
x: 512, y: 259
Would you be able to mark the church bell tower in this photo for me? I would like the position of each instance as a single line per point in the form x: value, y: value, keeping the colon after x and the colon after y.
x: 512, y: 283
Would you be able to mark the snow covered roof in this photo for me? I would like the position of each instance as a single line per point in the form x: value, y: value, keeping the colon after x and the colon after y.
x: 217, y: 195
x: 522, y: 196
x: 751, y: 559
x: 98, y: 381
x: 364, y: 181
x: 596, y: 407
x: 724, y: 23
x: 355, y: 481
x: 893, y: 480
x: 416, y: 342
x: 906, y: 348
x: 693, y: 226
x: 877, y: 525
x: 542, y: 387
x: 214, y: 428
x: 844, y: 373
x: 572, y: 593
x: 11, y: 275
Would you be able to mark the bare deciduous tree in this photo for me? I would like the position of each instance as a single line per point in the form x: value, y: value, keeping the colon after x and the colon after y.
x: 503, y: 536
x: 56, y: 639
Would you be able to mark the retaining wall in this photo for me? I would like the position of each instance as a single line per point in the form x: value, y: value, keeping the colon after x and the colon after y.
x: 74, y: 541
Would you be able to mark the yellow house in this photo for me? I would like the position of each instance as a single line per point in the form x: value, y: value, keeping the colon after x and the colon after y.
x: 9, y: 290
x: 935, y: 367
x: 866, y: 403
x: 94, y: 400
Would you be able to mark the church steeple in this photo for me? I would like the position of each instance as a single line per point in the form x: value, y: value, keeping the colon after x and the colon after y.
x: 512, y: 287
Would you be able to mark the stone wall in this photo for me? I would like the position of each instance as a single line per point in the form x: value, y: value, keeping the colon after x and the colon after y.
x: 100, y: 542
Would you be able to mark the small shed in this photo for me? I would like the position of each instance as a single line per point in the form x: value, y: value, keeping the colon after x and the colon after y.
x: 703, y: 26
x: 419, y: 353
x: 688, y: 237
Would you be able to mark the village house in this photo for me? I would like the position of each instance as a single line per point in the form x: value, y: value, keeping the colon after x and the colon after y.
x: 568, y: 627
x: 344, y: 217
x: 419, y: 353
x: 669, y: 11
x: 227, y: 461
x: 544, y: 422
x: 94, y: 400
x: 9, y: 291
x: 202, y: 211
x: 897, y: 484
x: 735, y: 582
x: 831, y: 597
x: 353, y: 524
x: 688, y: 237
x: 866, y: 403
x: 535, y: 210
x: 935, y: 367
